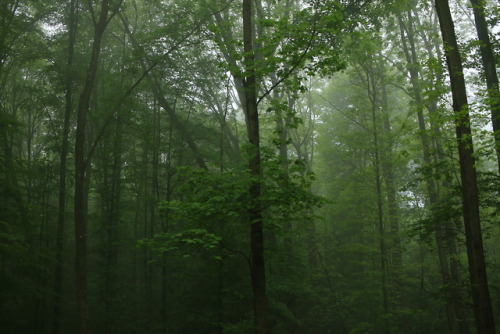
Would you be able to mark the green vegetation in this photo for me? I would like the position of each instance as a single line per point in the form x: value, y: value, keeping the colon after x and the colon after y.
x: 252, y: 166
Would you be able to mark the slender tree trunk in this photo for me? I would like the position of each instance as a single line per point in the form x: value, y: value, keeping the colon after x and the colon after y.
x: 255, y: 208
x: 179, y: 125
x: 452, y: 278
x: 381, y: 227
x: 372, y: 92
x: 113, y: 218
x: 477, y: 268
x: 61, y: 215
x: 80, y: 173
x: 112, y: 197
x: 147, y: 232
x: 395, y: 265
x: 457, y: 322
x: 489, y: 65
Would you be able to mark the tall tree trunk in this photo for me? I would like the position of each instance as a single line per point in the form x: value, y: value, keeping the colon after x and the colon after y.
x: 254, y: 208
x: 489, y: 66
x: 148, y: 231
x: 395, y: 254
x: 477, y: 268
x: 112, y: 197
x: 372, y: 91
x: 61, y: 215
x: 80, y: 173
x: 457, y: 322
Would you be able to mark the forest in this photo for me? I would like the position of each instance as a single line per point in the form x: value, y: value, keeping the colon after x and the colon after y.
x: 249, y: 166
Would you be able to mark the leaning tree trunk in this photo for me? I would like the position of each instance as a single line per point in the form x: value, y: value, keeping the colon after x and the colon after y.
x: 488, y: 59
x: 477, y: 269
x: 254, y: 208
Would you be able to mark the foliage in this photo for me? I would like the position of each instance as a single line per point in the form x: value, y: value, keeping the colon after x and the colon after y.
x: 167, y: 183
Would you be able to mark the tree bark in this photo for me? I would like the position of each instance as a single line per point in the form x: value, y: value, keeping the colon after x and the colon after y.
x: 395, y: 253
x: 80, y: 173
x: 457, y: 322
x: 489, y: 66
x: 477, y: 268
x: 372, y: 91
x: 61, y: 215
x: 255, y: 208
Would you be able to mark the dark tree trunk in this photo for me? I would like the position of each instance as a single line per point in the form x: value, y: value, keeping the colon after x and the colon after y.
x: 80, y: 174
x: 477, y: 269
x: 488, y: 59
x: 112, y: 195
x: 61, y: 215
x: 255, y: 208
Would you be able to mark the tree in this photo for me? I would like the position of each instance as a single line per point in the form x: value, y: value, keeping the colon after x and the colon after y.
x: 106, y: 13
x: 489, y: 68
x: 61, y: 217
x: 470, y: 198
x: 199, y: 130
x: 445, y: 240
x: 254, y: 209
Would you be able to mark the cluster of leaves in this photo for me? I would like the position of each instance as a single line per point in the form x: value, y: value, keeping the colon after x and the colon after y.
x: 177, y: 243
x: 448, y: 209
x: 489, y: 185
x: 214, y: 205
x: 309, y: 40
x: 287, y: 191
